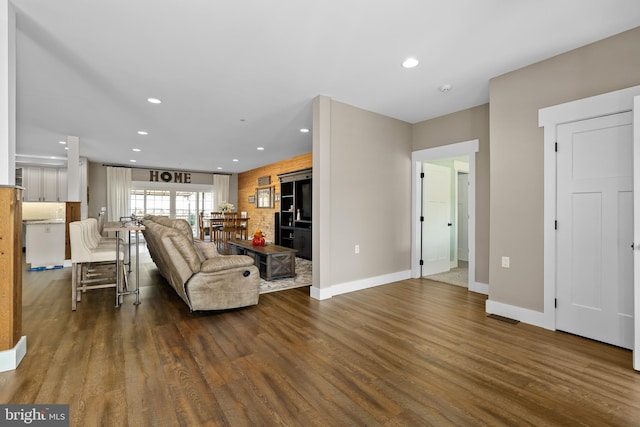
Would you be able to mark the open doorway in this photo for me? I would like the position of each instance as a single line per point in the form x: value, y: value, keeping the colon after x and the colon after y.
x: 468, y: 150
x: 449, y: 217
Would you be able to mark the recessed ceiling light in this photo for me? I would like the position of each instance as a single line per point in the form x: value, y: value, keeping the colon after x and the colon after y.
x: 260, y: 148
x: 133, y: 161
x: 235, y: 160
x: 219, y: 168
x: 410, y: 63
x: 304, y: 130
x: 137, y: 150
x: 66, y: 148
x: 63, y: 142
x: 143, y: 132
x: 154, y: 100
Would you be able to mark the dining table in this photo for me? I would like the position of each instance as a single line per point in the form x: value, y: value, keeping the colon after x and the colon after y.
x: 217, y: 221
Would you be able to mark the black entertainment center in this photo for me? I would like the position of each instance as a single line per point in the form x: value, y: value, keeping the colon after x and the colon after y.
x: 295, y: 215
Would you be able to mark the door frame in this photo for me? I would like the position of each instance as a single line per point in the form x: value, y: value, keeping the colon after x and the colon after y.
x: 458, y: 168
x: 466, y: 148
x: 549, y: 118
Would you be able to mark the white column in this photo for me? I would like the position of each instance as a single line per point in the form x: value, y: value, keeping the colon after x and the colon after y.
x: 7, y: 93
x: 73, y: 169
x: 321, y: 288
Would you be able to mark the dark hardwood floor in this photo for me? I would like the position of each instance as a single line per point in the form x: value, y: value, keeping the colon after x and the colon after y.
x: 411, y: 353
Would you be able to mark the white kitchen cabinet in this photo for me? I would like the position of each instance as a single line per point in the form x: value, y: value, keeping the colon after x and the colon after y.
x: 62, y: 185
x: 32, y: 183
x: 50, y: 185
x: 44, y: 184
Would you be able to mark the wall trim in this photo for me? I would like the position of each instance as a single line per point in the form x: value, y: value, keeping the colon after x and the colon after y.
x: 479, y: 287
x: 320, y: 293
x: 10, y: 359
x: 358, y: 285
x: 370, y: 282
x: 524, y: 315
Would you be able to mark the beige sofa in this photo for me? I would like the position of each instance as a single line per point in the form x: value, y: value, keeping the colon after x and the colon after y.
x: 204, y: 279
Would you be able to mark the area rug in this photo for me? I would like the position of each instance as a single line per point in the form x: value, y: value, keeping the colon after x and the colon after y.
x: 455, y: 276
x: 303, y: 278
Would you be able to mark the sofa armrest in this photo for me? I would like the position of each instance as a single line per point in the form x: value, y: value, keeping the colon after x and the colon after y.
x: 225, y: 262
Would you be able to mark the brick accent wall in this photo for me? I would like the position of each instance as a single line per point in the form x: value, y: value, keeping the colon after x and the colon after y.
x: 248, y: 182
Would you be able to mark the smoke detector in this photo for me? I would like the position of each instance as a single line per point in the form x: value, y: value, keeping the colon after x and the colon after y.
x: 445, y: 88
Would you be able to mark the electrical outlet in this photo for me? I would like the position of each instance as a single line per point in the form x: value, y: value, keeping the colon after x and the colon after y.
x: 506, y: 261
x: 357, y: 249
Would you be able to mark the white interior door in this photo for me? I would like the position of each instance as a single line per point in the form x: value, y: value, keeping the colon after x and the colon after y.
x: 436, y: 238
x: 595, y: 229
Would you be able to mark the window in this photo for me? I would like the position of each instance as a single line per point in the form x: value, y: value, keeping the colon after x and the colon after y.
x: 137, y: 202
x: 187, y: 206
x: 158, y: 202
x: 172, y: 203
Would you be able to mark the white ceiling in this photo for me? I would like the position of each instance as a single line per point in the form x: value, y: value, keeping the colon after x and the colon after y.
x: 235, y: 75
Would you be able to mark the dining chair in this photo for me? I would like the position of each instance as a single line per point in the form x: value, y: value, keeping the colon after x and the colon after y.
x: 204, y: 230
x: 216, y: 223
x: 229, y: 227
x: 242, y: 225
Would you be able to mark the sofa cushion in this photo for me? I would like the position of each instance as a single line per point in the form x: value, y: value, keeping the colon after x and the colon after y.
x: 187, y: 250
x: 225, y: 262
x: 184, y: 227
x: 205, y: 250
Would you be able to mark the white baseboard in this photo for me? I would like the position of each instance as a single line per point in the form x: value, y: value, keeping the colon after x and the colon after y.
x: 480, y: 288
x: 358, y: 285
x: 320, y: 293
x: 10, y: 359
x: 524, y: 315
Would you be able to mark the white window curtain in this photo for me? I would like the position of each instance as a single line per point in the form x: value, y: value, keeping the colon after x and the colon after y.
x: 220, y: 190
x: 118, y: 193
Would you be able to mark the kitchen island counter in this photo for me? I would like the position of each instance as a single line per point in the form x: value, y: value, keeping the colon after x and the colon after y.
x: 44, y: 242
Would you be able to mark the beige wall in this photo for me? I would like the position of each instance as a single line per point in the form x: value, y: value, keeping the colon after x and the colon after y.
x: 461, y: 126
x: 370, y: 195
x: 516, y: 226
x: 97, y: 183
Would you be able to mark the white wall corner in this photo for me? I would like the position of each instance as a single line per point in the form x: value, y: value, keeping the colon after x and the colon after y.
x: 320, y: 293
x: 480, y: 288
x: 10, y: 359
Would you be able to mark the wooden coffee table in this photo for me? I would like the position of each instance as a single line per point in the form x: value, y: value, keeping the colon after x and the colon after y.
x: 273, y: 261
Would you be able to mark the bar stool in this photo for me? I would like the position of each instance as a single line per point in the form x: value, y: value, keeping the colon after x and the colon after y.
x: 92, y: 264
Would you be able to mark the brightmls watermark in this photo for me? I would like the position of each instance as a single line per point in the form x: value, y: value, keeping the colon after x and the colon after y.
x: 35, y: 415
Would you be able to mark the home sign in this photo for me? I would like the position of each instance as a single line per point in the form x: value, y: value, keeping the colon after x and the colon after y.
x: 166, y: 176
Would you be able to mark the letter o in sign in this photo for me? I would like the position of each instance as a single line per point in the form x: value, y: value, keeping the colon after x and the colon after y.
x: 165, y: 176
